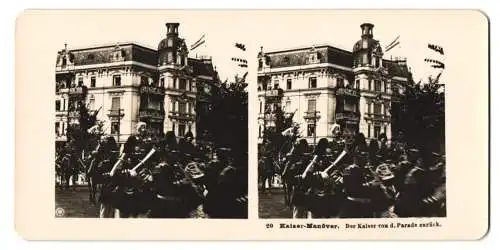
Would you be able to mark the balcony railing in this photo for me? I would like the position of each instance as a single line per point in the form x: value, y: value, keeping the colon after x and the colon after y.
x: 348, y: 92
x: 181, y: 115
x: 73, y: 114
x: 151, y: 114
x: 76, y: 91
x: 274, y: 93
x: 378, y: 117
x: 152, y: 90
x: 115, y: 114
x: 309, y: 115
x: 352, y: 116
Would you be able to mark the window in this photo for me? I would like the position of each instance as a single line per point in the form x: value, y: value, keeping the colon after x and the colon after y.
x: 58, y: 105
x: 182, y: 61
x: 170, y: 42
x: 92, y: 82
x: 63, y: 130
x: 311, y: 129
x: 288, y: 106
x: 144, y: 80
x: 189, y: 86
x: 92, y: 103
x: 188, y: 110
x: 369, y: 130
x: 377, y: 108
x: 115, y: 128
x: 378, y: 86
x: 311, y: 105
x: 289, y: 84
x: 276, y: 84
x: 312, y: 82
x: 173, y: 127
x: 357, y: 84
x: 170, y: 57
x: 115, y: 105
x: 172, y: 106
x: 376, y: 131
x: 182, y: 107
x: 64, y: 104
x: 182, y: 84
x: 162, y: 82
x: 57, y: 128
x: 260, y: 131
x: 340, y: 82
x: 80, y: 81
x: 182, y: 129
x: 370, y: 84
x: 377, y: 62
x: 385, y: 130
x: 117, y: 80
x: 260, y: 107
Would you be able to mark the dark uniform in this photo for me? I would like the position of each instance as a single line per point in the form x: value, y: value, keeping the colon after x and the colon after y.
x: 359, y: 184
x: 413, y: 192
x: 226, y: 189
x: 100, y: 166
x: 175, y: 193
x: 131, y: 195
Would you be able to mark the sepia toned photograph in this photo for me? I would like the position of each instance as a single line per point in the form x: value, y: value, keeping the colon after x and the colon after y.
x: 151, y: 132
x: 251, y: 125
x: 350, y: 130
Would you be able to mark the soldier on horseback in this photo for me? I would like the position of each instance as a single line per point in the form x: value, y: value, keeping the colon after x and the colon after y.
x: 131, y: 195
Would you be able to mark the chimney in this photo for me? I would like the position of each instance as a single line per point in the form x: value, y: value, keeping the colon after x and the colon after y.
x: 366, y: 30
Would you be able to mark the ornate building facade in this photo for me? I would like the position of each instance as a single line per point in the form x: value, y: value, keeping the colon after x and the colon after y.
x: 129, y: 83
x: 324, y: 85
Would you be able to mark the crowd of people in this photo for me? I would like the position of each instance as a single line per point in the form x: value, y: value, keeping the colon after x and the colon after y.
x: 161, y: 177
x: 350, y: 178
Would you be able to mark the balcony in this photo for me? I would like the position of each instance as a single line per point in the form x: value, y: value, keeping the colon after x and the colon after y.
x: 181, y: 116
x: 311, y: 115
x: 77, y: 91
x: 151, y: 114
x: 377, y: 117
x: 61, y: 113
x: 152, y: 90
x: 115, y: 114
x: 346, y: 115
x: 73, y: 114
x: 347, y: 92
x: 273, y: 93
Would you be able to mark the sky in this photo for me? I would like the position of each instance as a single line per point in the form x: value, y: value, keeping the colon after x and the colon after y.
x: 270, y: 29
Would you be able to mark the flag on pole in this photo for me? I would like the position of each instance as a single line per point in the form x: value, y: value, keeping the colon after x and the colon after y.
x: 198, y: 43
x: 393, y: 44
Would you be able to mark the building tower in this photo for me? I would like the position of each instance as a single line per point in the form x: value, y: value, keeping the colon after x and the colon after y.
x: 180, y: 87
x: 372, y: 78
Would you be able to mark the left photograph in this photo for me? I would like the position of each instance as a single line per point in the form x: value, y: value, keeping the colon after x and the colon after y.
x: 156, y: 127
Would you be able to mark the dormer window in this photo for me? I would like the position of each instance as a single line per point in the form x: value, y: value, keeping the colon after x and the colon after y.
x: 286, y: 60
x: 170, y: 42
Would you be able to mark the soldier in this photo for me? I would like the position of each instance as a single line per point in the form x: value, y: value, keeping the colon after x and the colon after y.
x: 175, y: 194
x: 385, y: 195
x: 294, y: 167
x: 359, y: 184
x: 131, y: 194
x: 434, y: 201
x: 104, y: 155
x: 226, y: 188
x: 413, y: 191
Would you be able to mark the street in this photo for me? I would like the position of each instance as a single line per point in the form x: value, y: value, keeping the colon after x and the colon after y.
x: 75, y: 203
x: 273, y: 205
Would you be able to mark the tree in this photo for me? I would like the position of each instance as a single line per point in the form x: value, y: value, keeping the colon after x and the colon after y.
x: 423, y: 118
x: 274, y: 141
x: 228, y: 125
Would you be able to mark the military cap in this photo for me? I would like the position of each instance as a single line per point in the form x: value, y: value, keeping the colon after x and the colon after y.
x: 413, y: 150
x: 384, y: 172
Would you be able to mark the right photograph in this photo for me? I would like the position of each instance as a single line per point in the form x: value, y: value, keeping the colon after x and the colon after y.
x: 351, y: 120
